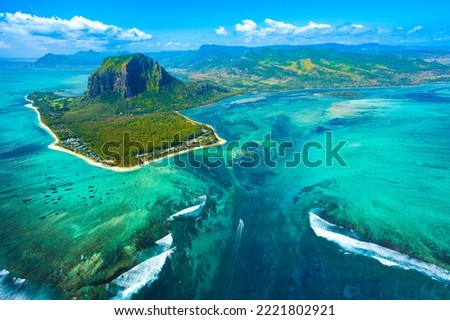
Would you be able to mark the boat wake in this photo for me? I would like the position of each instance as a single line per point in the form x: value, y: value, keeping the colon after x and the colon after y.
x: 237, y: 242
x: 386, y: 256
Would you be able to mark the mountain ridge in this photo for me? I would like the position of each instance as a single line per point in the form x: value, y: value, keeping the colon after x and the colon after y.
x: 95, y: 58
x: 128, y: 75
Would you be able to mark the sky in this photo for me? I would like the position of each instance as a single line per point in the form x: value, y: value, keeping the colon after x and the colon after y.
x: 31, y: 28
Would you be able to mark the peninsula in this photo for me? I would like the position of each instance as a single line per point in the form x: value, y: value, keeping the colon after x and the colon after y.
x: 128, y: 114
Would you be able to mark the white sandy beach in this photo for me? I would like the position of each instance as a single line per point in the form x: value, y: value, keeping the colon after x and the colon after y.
x: 54, y: 145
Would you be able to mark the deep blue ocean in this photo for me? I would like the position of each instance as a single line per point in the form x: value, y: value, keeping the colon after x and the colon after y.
x: 376, y: 228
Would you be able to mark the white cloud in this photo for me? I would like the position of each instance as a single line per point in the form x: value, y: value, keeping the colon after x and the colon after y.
x: 270, y: 32
x: 312, y: 26
x: 246, y: 26
x: 415, y: 29
x: 26, y: 23
x: 274, y: 27
x: 278, y: 27
x: 352, y: 29
x: 133, y: 34
x: 44, y: 34
x: 174, y: 45
x: 221, y: 31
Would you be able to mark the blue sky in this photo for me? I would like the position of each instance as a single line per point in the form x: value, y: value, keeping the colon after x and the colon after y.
x: 30, y: 28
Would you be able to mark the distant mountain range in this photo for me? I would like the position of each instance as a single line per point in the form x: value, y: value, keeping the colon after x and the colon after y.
x: 79, y: 59
x: 206, y: 51
x: 290, y: 67
x: 94, y: 58
x: 320, y: 66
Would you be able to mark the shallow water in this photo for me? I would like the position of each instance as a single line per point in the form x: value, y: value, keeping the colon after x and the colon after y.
x: 69, y: 227
x: 393, y: 192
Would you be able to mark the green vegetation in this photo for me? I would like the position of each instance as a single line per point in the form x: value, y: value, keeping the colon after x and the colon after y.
x: 115, y: 63
x: 175, y: 97
x: 273, y: 68
x: 125, y: 140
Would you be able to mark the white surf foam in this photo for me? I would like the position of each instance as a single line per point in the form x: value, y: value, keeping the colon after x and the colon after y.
x: 191, y: 212
x: 144, y: 274
x: 386, y: 256
x: 388, y: 262
x: 11, y: 287
x: 4, y: 273
x: 165, y: 242
x: 185, y: 213
x: 248, y: 100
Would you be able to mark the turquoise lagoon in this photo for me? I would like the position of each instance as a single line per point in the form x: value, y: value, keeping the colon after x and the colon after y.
x: 68, y: 229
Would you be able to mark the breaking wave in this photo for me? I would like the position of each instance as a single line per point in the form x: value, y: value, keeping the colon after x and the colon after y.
x: 166, y: 242
x: 386, y: 256
x: 193, y: 212
x: 144, y: 274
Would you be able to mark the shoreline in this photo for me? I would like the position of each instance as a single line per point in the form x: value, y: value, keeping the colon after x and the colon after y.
x: 220, y: 140
x: 54, y: 146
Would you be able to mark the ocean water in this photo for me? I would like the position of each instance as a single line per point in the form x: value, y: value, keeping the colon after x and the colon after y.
x: 65, y: 224
x: 68, y: 229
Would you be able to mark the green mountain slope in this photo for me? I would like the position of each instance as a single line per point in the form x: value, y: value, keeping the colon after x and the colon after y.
x: 281, y: 68
x: 140, y: 85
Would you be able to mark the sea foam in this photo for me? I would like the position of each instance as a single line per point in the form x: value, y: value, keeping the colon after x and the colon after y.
x: 191, y: 212
x: 144, y: 274
x: 165, y: 242
x: 11, y: 287
x: 386, y: 256
x: 248, y: 100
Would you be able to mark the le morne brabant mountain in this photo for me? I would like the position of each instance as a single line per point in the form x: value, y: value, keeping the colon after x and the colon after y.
x: 133, y: 97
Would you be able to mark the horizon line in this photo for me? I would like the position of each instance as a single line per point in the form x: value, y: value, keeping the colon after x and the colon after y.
x: 399, y: 46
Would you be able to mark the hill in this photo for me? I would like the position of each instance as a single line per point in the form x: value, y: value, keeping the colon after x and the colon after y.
x: 138, y: 84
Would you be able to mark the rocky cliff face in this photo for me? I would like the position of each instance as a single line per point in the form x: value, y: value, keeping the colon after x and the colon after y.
x: 128, y: 75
